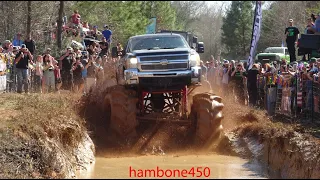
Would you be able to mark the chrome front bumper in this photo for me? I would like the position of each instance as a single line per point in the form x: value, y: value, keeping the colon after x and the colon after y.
x: 132, y: 76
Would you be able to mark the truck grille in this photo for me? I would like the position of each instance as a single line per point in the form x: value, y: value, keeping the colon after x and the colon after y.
x: 159, y: 58
x: 266, y: 59
x: 165, y: 67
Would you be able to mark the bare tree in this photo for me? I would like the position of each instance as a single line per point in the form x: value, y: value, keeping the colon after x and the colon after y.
x: 29, y: 18
x: 60, y: 21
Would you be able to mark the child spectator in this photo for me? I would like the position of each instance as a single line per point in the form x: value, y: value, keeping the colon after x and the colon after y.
x: 39, y: 74
x: 48, y: 74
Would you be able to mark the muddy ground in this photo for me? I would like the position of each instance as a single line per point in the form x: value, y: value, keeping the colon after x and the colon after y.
x: 43, y: 136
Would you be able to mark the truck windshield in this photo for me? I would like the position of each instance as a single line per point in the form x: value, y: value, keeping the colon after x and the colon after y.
x: 274, y: 50
x: 149, y: 43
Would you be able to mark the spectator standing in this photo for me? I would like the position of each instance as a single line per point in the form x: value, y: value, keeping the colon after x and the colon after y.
x: 104, y: 47
x: 30, y: 44
x: 57, y: 75
x: 107, y: 33
x: 77, y: 69
x: 317, y: 24
x: 225, y: 76
x: 7, y: 46
x: 310, y: 80
x: 204, y: 71
x: 252, y: 85
x: 48, y: 74
x: 99, y: 72
x: 75, y: 19
x: 238, y: 75
x: 65, y: 64
x: 22, y: 60
x: 271, y: 93
x: 311, y: 28
x: 17, y: 40
x: 291, y: 33
x: 39, y: 74
x: 90, y: 72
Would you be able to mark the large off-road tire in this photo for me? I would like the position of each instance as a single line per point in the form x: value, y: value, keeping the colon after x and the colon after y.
x: 120, y: 106
x: 206, y: 114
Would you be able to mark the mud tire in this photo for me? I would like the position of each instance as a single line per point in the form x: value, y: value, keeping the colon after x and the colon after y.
x: 206, y: 115
x: 120, y: 106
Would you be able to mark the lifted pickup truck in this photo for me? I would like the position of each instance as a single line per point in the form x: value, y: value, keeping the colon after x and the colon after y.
x: 161, y: 61
x: 163, y: 73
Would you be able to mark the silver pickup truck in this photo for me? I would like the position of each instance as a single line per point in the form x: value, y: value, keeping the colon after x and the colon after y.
x: 160, y: 61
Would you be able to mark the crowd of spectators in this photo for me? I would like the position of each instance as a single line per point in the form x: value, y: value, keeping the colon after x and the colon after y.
x: 81, y: 65
x: 295, y: 87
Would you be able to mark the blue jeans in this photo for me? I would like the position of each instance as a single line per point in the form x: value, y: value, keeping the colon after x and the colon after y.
x: 22, y: 80
x: 271, y: 100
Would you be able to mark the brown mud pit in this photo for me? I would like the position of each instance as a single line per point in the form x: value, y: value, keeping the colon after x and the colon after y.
x: 43, y: 136
x: 284, y: 151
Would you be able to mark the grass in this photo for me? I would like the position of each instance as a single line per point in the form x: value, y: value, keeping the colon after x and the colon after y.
x: 38, y: 135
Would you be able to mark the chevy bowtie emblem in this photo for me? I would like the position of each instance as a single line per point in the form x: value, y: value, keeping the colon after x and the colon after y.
x: 164, y: 62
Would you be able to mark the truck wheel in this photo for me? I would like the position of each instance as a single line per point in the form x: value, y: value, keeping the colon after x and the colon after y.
x: 120, y: 106
x: 206, y: 114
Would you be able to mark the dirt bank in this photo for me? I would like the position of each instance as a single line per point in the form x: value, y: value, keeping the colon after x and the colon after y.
x: 42, y: 137
x: 287, y: 150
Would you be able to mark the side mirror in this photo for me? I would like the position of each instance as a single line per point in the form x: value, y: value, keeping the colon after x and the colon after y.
x: 195, y: 40
x: 200, y: 48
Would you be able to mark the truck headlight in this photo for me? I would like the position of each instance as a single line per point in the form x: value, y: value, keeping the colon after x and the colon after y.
x: 133, y: 60
x: 194, y: 60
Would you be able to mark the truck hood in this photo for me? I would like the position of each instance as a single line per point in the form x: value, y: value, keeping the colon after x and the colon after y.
x: 270, y: 54
x: 161, y: 51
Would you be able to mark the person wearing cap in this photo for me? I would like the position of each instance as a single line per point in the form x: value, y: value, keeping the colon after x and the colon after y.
x: 65, y: 64
x: 95, y: 32
x: 22, y: 60
x: 107, y: 33
x: 7, y: 46
x: 292, y: 34
x: 17, y: 40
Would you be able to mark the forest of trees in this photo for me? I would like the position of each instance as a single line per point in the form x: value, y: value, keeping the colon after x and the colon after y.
x: 224, y: 28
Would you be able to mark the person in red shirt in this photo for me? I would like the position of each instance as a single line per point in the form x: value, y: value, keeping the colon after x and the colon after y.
x: 75, y: 18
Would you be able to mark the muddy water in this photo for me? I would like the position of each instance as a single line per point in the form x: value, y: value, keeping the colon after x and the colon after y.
x: 213, y: 166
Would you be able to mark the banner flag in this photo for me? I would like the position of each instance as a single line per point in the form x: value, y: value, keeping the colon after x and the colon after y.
x: 255, y: 33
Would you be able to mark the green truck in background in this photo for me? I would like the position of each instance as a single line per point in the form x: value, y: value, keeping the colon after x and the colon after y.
x: 272, y: 54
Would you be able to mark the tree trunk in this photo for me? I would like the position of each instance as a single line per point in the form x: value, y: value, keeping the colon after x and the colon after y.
x: 59, y: 23
x: 29, y: 19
